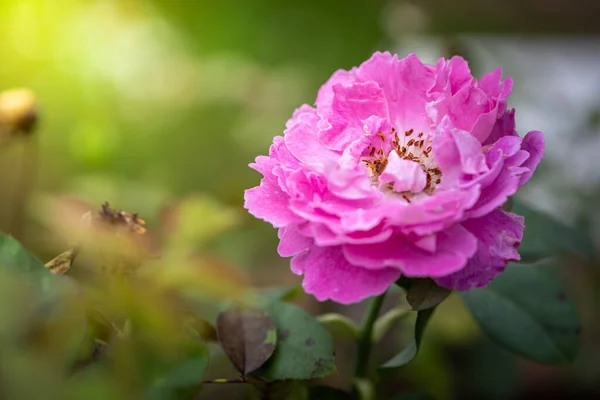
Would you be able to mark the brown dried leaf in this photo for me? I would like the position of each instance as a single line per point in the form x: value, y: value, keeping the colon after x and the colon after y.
x: 248, y: 337
x: 61, y: 264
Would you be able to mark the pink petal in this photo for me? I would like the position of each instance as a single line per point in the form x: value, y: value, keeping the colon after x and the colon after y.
x: 291, y: 242
x: 323, y: 236
x: 457, y: 152
x: 405, y: 83
x: 533, y: 143
x: 351, y: 106
x: 472, y: 159
x: 454, y: 247
x: 467, y: 106
x: 506, y: 176
x: 304, y: 114
x: 427, y: 243
x: 329, y: 276
x: 268, y: 201
x: 504, y: 126
x: 302, y: 142
x: 298, y: 263
x: 460, y: 74
x: 278, y: 151
x: 499, y: 235
x: 325, y: 95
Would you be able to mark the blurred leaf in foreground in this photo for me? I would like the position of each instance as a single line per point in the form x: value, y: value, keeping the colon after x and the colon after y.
x: 14, y: 258
x: 191, y: 222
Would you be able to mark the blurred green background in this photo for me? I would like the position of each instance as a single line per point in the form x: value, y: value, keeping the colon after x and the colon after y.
x: 145, y: 103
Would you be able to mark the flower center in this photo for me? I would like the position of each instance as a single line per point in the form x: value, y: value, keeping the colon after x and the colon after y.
x: 403, y: 178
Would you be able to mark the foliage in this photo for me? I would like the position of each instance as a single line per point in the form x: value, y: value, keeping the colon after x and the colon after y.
x: 159, y: 110
x: 527, y: 311
x: 129, y: 310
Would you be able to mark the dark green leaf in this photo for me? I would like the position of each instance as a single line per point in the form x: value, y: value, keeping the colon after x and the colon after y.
x: 545, y: 236
x: 410, y: 351
x: 304, y: 346
x: 404, y: 282
x: 527, y: 311
x: 248, y: 337
x: 425, y: 293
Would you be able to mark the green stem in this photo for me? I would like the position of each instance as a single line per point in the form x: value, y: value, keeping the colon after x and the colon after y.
x: 364, y: 340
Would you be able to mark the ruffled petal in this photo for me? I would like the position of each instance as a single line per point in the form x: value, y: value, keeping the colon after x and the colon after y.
x: 291, y: 241
x: 329, y: 276
x: 454, y: 247
x: 351, y: 106
x: 268, y: 201
x: 406, y: 83
x: 533, y: 143
x: 499, y: 234
x: 325, y: 94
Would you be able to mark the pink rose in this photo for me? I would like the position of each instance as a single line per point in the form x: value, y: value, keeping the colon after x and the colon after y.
x: 401, y: 168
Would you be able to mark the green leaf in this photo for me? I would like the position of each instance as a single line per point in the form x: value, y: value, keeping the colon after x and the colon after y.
x: 386, y: 321
x: 527, y: 311
x: 248, y: 337
x: 53, y: 312
x: 304, y: 346
x: 425, y: 293
x: 340, y: 326
x: 14, y: 258
x: 183, y: 377
x: 545, y: 236
x: 410, y: 351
